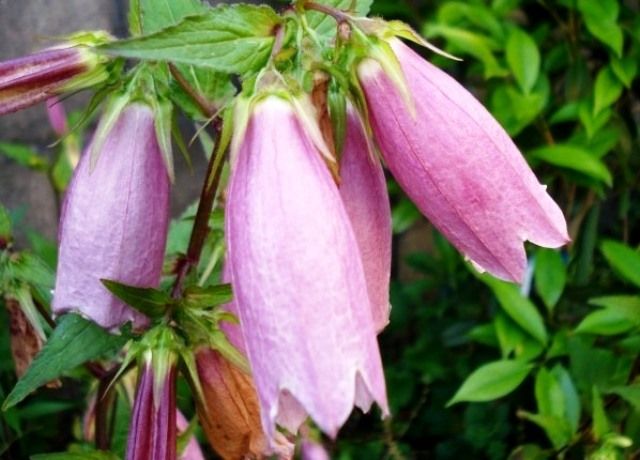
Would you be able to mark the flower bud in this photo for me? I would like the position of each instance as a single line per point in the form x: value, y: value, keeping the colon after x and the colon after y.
x: 153, y: 428
x: 457, y: 163
x: 114, y: 222
x: 364, y: 193
x: 31, y: 79
x: 298, y: 278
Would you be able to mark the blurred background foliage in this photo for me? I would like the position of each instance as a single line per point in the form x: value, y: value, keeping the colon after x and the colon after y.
x: 476, y: 368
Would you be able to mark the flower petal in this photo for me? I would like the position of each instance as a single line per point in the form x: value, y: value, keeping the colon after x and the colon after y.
x: 364, y: 193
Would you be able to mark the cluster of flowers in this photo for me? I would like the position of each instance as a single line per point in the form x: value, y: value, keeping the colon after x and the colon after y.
x: 308, y: 253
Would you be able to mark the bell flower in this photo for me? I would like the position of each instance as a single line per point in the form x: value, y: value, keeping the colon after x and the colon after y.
x: 114, y: 222
x: 27, y: 80
x: 297, y: 275
x: 364, y: 193
x: 457, y: 163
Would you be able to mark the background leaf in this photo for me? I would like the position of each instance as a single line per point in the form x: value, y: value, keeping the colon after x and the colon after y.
x: 523, y: 58
x: 492, y: 381
x: 73, y: 342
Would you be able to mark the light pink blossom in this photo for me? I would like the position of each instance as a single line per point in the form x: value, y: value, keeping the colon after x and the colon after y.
x: 459, y: 166
x: 114, y: 222
x: 298, y: 278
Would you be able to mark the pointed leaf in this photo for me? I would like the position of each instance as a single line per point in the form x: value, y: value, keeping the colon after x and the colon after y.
x: 607, y: 90
x: 550, y: 276
x: 625, y: 260
x: 228, y: 38
x: 160, y: 14
x: 523, y: 58
x: 73, y: 342
x: 492, y: 381
x: 148, y: 301
x: 574, y: 158
x: 519, y: 308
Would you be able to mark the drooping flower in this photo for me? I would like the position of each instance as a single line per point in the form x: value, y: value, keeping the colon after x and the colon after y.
x: 114, y: 222
x: 31, y: 79
x: 153, y: 428
x: 458, y: 165
x: 297, y: 277
x: 364, y: 193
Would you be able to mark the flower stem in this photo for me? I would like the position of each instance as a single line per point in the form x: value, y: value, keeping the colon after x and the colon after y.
x: 339, y: 15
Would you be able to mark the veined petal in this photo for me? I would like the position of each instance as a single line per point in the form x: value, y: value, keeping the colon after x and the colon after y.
x: 460, y: 167
x: 364, y: 193
x: 298, y: 278
x: 114, y: 222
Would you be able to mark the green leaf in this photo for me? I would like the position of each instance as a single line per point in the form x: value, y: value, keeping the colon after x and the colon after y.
x: 325, y: 26
x: 464, y: 42
x: 24, y: 156
x: 148, y: 301
x: 600, y: 17
x: 624, y: 260
x: 73, y: 342
x: 557, y: 429
x: 600, y: 421
x: 160, y: 14
x: 604, y: 322
x: 516, y: 110
x: 204, y: 297
x: 5, y: 224
x: 404, y: 215
x: 31, y: 269
x: 607, y: 90
x: 523, y: 58
x: 574, y: 158
x: 549, y: 395
x: 550, y: 276
x: 228, y: 38
x: 519, y: 308
x: 627, y: 306
x: 593, y: 122
x: 492, y: 381
x: 630, y: 393
x: 625, y: 69
x: 571, y: 399
x: 513, y: 339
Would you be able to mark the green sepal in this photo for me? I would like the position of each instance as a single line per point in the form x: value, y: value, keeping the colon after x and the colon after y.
x: 148, y: 301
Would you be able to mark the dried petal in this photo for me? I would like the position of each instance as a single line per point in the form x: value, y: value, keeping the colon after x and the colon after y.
x: 114, y: 222
x: 459, y: 166
x: 298, y: 279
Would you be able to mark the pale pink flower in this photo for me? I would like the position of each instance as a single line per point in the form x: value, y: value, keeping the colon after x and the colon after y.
x: 298, y: 278
x: 114, y: 222
x: 459, y: 166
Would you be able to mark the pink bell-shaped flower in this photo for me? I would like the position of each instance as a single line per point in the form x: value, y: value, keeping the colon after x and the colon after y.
x: 364, y: 193
x: 458, y: 165
x: 298, y: 278
x: 114, y: 222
